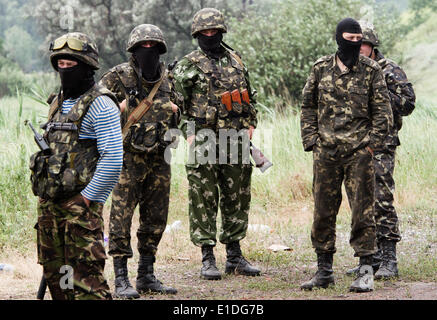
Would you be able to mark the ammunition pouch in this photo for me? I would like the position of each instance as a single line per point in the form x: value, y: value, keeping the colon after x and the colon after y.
x: 147, y: 137
x: 143, y: 137
x: 55, y: 177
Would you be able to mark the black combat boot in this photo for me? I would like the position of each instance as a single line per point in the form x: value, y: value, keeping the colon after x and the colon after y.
x: 236, y: 263
x: 377, y: 258
x: 123, y: 288
x: 364, y: 280
x: 389, y: 266
x: 209, y: 270
x: 146, y: 281
x: 324, y: 275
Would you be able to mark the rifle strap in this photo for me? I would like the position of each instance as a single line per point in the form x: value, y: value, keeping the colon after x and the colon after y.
x: 53, y: 107
x: 234, y: 55
x: 142, y: 108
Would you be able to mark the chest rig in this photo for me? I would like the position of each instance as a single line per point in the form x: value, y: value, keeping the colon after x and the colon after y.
x: 70, y: 164
x: 147, y: 134
x: 208, y: 109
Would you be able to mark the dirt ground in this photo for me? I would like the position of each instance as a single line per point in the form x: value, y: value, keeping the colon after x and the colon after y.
x: 273, y: 284
x: 178, y: 265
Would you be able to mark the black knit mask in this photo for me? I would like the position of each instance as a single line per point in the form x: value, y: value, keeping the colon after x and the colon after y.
x: 348, y: 51
x: 76, y: 80
x: 147, y: 60
x: 211, y: 45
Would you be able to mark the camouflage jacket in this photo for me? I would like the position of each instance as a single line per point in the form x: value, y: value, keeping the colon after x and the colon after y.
x: 202, y: 80
x: 71, y: 164
x: 401, y: 92
x: 147, y: 134
x: 345, y: 111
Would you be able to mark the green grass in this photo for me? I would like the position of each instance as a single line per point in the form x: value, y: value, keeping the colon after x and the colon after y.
x: 417, y: 55
x: 281, y: 197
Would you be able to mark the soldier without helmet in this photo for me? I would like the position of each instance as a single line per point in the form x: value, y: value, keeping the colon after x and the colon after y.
x: 146, y: 175
x: 206, y: 77
x: 345, y: 118
x: 402, y: 100
x: 74, y: 180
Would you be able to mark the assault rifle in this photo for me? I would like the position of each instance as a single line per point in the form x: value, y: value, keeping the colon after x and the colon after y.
x: 43, y: 145
x: 260, y: 159
x: 39, y: 139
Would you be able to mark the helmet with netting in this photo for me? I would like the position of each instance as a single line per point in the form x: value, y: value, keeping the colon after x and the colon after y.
x: 208, y: 18
x: 370, y: 36
x: 146, y: 32
x: 77, y: 45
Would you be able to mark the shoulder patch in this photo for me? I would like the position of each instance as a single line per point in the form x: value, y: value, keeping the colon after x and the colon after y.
x: 324, y: 59
x: 194, y: 56
x: 369, y: 62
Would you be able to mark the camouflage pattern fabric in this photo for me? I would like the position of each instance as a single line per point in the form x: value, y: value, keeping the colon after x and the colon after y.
x: 402, y: 96
x: 402, y: 100
x: 357, y: 172
x: 345, y: 111
x: 202, y: 81
x: 212, y: 185
x: 69, y: 233
x: 144, y: 181
x: 90, y: 57
x: 146, y: 32
x: 208, y: 18
x: 342, y: 113
x: 387, y: 224
x: 147, y: 134
x: 370, y: 36
x: 145, y: 177
x: 71, y: 165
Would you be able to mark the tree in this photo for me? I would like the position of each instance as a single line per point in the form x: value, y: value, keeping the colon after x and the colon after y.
x: 109, y: 22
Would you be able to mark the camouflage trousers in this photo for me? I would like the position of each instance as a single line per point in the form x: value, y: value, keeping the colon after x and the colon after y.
x: 144, y: 181
x: 71, y: 234
x: 387, y: 223
x: 214, y: 185
x: 357, y: 172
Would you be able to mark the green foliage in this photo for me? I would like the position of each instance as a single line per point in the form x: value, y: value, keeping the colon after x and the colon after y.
x: 280, y: 48
x: 110, y: 22
x: 13, y: 78
x: 422, y: 10
x: 22, y: 48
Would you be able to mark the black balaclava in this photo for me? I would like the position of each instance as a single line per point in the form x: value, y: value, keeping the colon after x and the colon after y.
x: 211, y: 45
x: 147, y: 59
x: 76, y: 80
x: 348, y: 51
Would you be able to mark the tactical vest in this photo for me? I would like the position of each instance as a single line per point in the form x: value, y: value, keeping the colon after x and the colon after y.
x: 208, y: 109
x: 71, y: 163
x: 147, y: 134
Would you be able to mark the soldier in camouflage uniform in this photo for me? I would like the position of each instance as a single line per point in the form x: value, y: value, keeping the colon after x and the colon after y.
x: 145, y: 179
x: 70, y: 222
x: 402, y: 100
x: 345, y: 117
x: 203, y: 76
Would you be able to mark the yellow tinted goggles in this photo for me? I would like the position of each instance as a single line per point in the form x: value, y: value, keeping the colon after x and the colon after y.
x: 72, y: 43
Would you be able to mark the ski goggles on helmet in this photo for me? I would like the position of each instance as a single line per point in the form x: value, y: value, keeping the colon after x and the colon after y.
x: 72, y: 43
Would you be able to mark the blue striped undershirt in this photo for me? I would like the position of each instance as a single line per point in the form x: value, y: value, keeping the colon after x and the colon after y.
x: 102, y: 122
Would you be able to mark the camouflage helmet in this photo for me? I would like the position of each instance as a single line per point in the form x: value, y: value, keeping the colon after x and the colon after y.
x: 208, y: 18
x: 146, y: 32
x: 77, y: 45
x: 370, y: 36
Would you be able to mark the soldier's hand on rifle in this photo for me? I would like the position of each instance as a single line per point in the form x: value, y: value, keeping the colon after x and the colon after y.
x: 190, y: 139
x: 174, y: 107
x: 370, y: 150
x: 123, y: 105
x: 87, y: 202
x: 250, y: 132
